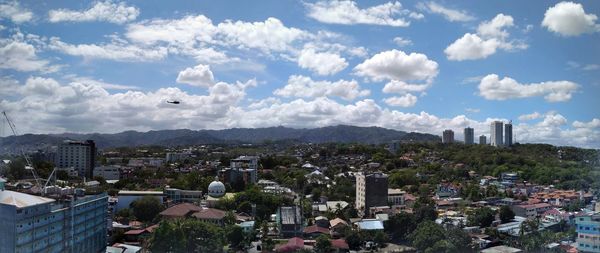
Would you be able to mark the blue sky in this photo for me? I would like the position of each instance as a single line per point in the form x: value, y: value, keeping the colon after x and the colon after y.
x: 110, y: 66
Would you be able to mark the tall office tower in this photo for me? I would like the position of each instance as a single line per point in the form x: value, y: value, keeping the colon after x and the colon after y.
x: 80, y: 155
x: 469, y: 135
x: 482, y: 140
x: 508, y: 135
x: 496, y: 134
x: 448, y: 136
x: 371, y: 191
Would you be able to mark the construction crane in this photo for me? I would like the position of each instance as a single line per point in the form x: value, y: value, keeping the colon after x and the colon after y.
x: 28, y: 164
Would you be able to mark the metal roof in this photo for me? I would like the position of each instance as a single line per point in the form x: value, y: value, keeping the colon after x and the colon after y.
x: 21, y: 200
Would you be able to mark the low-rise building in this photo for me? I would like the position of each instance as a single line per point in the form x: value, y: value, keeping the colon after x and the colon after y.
x: 110, y: 172
x: 180, y: 196
x: 588, y: 233
x: 532, y: 210
x: 396, y: 197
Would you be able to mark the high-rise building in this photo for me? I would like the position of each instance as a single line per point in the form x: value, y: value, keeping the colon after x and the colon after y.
x: 80, y: 155
x: 371, y: 191
x: 508, y: 135
x: 496, y: 134
x: 448, y: 136
x: 482, y: 140
x: 469, y: 135
x: 241, y: 170
x: 71, y: 223
x: 588, y: 236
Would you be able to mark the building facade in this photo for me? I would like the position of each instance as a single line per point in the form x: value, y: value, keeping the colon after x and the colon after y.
x: 482, y: 140
x: 496, y: 138
x: 396, y: 197
x: 80, y: 155
x: 469, y: 135
x: 371, y: 191
x: 181, y: 196
x: 508, y: 135
x: 448, y: 136
x: 290, y: 221
x: 588, y: 233
x: 110, y: 172
x: 30, y: 223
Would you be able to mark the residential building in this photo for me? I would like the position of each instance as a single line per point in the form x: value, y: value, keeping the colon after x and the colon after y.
x: 242, y: 169
x: 371, y: 191
x: 80, y: 155
x: 509, y: 178
x: 176, y: 157
x: 469, y: 135
x: 110, y: 172
x: 482, y: 140
x: 448, y: 136
x: 180, y: 211
x: 508, y: 135
x: 496, y: 139
x: 588, y: 233
x: 532, y: 210
x: 180, y: 196
x: 396, y: 197
x: 210, y: 215
x: 75, y: 223
x: 289, y: 220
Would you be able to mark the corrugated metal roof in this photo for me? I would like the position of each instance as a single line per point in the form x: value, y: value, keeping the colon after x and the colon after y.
x: 21, y: 200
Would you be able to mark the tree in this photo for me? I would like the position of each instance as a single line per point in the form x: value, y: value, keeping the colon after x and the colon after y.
x: 482, y: 217
x: 146, y: 208
x: 235, y: 236
x: 506, y: 214
x: 401, y: 225
x: 323, y: 244
x: 354, y: 239
x: 381, y: 238
x: 187, y: 235
x: 426, y: 235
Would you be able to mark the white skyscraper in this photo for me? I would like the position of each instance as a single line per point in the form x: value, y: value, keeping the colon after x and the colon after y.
x: 496, y: 139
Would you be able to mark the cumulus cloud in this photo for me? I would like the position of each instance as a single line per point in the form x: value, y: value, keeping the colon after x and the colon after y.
x: 407, y: 100
x: 303, y: 86
x: 348, y: 13
x: 594, y: 123
x: 569, y: 19
x: 321, y: 63
x: 492, y: 87
x: 491, y: 36
x: 397, y: 65
x: 107, y: 11
x: 531, y: 116
x: 199, y: 75
x: 20, y: 56
x: 15, y: 13
x: 401, y: 87
x: 449, y: 14
x: 402, y: 42
x: 116, y: 50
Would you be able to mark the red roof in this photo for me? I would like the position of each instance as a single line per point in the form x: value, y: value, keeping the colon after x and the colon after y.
x: 292, y: 245
x: 180, y: 210
x: 315, y: 229
x: 209, y: 214
x: 339, y: 244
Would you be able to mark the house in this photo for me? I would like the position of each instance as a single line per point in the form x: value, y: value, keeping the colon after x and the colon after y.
x: 336, y: 226
x: 315, y: 231
x: 210, y: 215
x: 532, y: 210
x: 294, y: 244
x: 247, y: 226
x: 340, y: 245
x: 180, y: 211
x: 322, y: 221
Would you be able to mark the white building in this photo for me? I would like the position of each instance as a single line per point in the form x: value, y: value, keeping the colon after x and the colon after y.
x: 110, y: 172
x: 80, y: 155
x: 396, y: 197
x: 496, y: 139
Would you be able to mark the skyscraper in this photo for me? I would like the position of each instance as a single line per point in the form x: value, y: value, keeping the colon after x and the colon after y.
x: 508, y: 135
x: 448, y: 136
x: 469, y: 135
x: 80, y: 155
x: 496, y: 134
x: 482, y: 140
x: 371, y: 191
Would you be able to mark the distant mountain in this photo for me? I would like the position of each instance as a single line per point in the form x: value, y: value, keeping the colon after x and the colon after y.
x: 183, y: 137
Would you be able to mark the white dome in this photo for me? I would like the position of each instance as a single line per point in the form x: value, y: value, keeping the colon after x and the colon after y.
x: 216, y: 189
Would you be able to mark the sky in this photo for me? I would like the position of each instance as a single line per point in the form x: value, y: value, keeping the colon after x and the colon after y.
x: 111, y: 66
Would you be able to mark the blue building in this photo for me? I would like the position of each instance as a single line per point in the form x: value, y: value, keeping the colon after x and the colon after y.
x: 588, y: 233
x: 71, y: 223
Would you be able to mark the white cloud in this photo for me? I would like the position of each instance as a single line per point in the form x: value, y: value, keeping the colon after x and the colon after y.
x: 569, y: 19
x: 321, y: 63
x: 401, y: 87
x: 103, y: 84
x: 302, y: 86
x: 397, y: 65
x: 473, y: 110
x: 199, y: 75
x: 116, y: 51
x: 531, y: 116
x: 594, y: 123
x: 21, y: 56
x: 402, y: 42
x: 493, y: 88
x: 449, y: 14
x: 348, y: 13
x: 14, y: 12
x: 590, y: 67
x: 407, y: 100
x: 491, y: 36
x: 187, y: 31
x: 107, y: 11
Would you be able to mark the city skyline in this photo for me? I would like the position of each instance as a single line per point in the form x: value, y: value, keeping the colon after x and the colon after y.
x: 111, y: 66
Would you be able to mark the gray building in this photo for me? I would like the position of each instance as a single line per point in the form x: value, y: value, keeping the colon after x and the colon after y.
x: 80, y: 155
x: 448, y: 136
x: 469, y: 135
x: 241, y: 170
x: 482, y: 140
x: 73, y: 223
x: 371, y: 191
x: 290, y: 221
x: 508, y: 135
x: 496, y: 139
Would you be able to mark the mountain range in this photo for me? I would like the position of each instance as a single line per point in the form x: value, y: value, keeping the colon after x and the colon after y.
x: 185, y: 137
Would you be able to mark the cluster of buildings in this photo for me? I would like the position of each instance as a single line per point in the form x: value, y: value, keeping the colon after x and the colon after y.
x: 501, y: 135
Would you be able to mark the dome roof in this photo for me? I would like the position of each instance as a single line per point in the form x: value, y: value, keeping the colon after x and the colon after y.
x: 216, y: 189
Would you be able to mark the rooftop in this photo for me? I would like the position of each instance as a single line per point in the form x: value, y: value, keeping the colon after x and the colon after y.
x: 21, y: 200
x: 209, y: 214
x: 180, y: 210
x: 122, y: 192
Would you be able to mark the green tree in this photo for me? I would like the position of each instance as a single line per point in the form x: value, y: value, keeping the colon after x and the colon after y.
x: 482, y: 217
x: 188, y: 235
x: 401, y: 225
x: 426, y: 235
x: 323, y: 244
x: 354, y: 239
x: 506, y: 214
x: 235, y: 236
x: 146, y: 208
